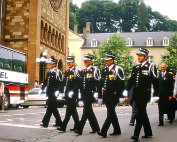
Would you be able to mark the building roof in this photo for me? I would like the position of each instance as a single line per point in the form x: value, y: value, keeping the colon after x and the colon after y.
x: 139, y: 38
x: 78, y: 35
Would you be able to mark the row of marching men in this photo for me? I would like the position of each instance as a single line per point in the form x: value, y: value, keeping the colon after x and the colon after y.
x: 109, y: 84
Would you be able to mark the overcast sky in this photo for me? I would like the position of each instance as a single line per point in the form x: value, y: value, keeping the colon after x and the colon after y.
x: 165, y: 7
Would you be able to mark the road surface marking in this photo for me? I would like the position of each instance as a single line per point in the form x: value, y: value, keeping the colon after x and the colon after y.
x: 26, y: 126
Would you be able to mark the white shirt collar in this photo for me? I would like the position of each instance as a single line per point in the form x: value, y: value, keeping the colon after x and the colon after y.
x: 88, y: 68
x: 71, y: 68
x: 110, y: 67
x: 164, y: 72
x: 143, y: 63
x: 52, y: 69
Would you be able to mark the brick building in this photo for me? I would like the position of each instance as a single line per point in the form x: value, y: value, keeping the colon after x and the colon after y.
x: 35, y: 27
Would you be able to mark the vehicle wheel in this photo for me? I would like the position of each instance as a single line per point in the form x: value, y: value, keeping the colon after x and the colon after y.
x: 25, y: 106
x: 6, y: 100
x: 60, y: 105
x: 15, y: 106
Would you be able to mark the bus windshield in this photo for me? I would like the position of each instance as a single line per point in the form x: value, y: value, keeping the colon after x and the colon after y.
x: 12, y: 60
x: 13, y: 67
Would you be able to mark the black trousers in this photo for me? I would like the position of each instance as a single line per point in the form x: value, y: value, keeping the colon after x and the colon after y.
x: 142, y: 120
x: 111, y: 119
x: 52, y: 109
x: 89, y: 114
x: 134, y: 111
x: 172, y: 109
x: 166, y: 108
x: 71, y: 111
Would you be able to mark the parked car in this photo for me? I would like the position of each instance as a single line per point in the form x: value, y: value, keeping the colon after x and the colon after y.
x: 37, y: 97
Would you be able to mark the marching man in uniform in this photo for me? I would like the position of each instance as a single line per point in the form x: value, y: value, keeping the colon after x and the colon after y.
x: 112, y: 84
x: 143, y: 75
x: 53, y: 83
x: 71, y: 85
x: 90, y: 77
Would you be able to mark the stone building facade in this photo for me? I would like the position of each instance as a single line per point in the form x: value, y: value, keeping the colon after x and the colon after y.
x: 34, y: 27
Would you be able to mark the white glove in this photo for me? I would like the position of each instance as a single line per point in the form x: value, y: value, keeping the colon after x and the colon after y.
x: 121, y: 100
x: 95, y: 95
x: 70, y: 94
x: 57, y: 93
x: 61, y: 95
x: 125, y: 93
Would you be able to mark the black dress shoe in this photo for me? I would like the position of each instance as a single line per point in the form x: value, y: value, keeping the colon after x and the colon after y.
x: 72, y: 129
x: 115, y: 133
x: 101, y: 134
x: 78, y: 132
x: 135, y: 138
x: 131, y: 124
x: 92, y: 132
x: 61, y: 129
x: 44, y: 125
x: 56, y: 125
x: 147, y: 136
x: 160, y: 124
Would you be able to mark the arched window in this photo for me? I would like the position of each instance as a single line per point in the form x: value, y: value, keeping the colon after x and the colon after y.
x: 42, y: 31
x: 49, y: 35
x: 53, y: 37
x: 62, y: 43
x: 45, y: 32
x: 59, y: 41
x: 56, y: 39
x: 60, y: 65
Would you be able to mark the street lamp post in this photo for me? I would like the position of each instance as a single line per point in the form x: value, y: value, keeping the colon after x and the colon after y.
x: 42, y: 60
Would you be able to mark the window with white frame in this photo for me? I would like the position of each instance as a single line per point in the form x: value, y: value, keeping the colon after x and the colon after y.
x: 129, y: 42
x: 94, y: 43
x: 149, y: 41
x: 165, y: 41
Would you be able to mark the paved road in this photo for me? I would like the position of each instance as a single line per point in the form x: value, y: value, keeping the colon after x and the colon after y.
x: 22, y: 125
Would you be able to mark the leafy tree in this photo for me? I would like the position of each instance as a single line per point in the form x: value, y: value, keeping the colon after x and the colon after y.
x: 101, y: 13
x: 128, y: 17
x: 171, y: 25
x: 158, y: 22
x: 170, y: 58
x: 142, y: 14
x: 72, y: 20
x: 116, y: 45
x: 73, y: 7
x: 125, y: 16
x: 72, y: 15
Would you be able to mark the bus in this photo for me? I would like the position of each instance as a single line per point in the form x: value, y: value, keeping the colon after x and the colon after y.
x: 13, y: 74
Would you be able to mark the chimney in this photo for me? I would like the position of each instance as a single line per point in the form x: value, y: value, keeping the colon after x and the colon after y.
x: 87, y: 27
x: 75, y: 28
x: 84, y: 31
